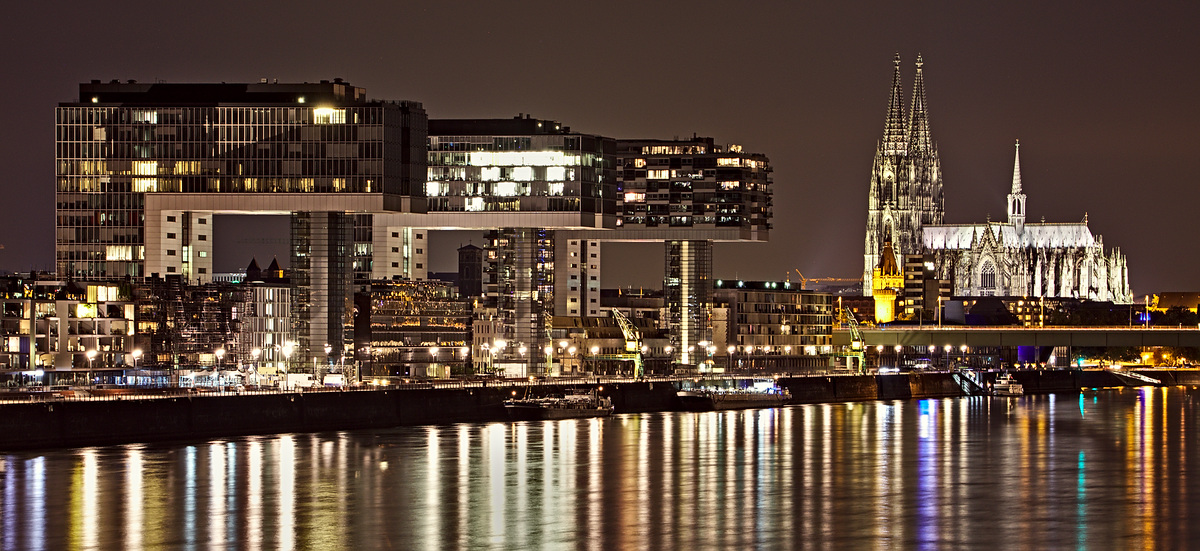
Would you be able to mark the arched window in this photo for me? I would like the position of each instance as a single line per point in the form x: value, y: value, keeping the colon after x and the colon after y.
x: 987, y: 278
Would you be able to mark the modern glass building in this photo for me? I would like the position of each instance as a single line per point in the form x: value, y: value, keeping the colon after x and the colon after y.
x: 691, y: 193
x: 694, y: 184
x: 520, y: 165
x: 143, y: 168
x: 528, y: 179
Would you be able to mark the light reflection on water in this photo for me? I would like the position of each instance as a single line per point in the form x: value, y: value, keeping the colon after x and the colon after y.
x: 966, y: 472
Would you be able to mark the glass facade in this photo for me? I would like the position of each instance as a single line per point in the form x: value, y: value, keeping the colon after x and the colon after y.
x: 412, y: 329
x: 693, y: 184
x: 687, y: 287
x: 122, y: 141
x: 518, y: 165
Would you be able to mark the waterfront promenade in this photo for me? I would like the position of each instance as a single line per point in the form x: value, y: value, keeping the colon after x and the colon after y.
x: 125, y: 418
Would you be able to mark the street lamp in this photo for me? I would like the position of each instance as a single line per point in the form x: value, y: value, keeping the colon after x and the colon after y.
x: 287, y: 349
x: 137, y: 353
x: 91, y: 355
x: 220, y: 352
x: 254, y: 354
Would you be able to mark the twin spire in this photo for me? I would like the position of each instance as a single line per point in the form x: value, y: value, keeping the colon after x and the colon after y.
x: 907, y: 135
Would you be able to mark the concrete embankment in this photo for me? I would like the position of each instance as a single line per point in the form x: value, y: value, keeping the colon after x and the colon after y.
x: 98, y: 422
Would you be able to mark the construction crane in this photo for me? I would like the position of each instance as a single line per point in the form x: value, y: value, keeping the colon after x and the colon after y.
x: 818, y: 280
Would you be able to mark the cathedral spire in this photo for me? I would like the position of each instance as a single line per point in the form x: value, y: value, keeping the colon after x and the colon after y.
x: 1016, y: 199
x: 919, y: 140
x: 1016, y: 183
x: 894, y: 138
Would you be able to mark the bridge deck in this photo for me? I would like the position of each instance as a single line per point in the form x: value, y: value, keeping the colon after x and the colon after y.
x: 1024, y: 336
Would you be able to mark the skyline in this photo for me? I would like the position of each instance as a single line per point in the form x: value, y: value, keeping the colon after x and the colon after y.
x: 1098, y: 99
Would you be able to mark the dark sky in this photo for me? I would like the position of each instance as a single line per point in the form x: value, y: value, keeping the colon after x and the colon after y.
x: 1102, y: 95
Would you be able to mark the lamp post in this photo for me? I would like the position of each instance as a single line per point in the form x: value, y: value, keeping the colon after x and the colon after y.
x: 433, y: 354
x: 729, y: 359
x: 370, y: 363
x: 91, y: 355
x: 287, y: 349
x: 594, y: 350
x: 220, y: 352
x: 328, y: 349
x: 137, y: 353
x: 254, y: 354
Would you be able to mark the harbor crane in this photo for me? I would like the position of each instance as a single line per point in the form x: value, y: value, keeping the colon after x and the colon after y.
x: 633, y: 343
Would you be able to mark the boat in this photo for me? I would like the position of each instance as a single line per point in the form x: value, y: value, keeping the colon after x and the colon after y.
x: 1006, y: 385
x: 568, y: 406
x: 710, y: 399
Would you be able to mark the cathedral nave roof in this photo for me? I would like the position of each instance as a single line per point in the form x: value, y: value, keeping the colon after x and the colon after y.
x: 1037, y: 235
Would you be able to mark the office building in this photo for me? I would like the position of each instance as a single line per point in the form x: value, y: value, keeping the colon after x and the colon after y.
x: 142, y: 169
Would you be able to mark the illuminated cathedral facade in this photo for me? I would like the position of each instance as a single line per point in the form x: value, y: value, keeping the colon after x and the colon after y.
x: 1009, y: 258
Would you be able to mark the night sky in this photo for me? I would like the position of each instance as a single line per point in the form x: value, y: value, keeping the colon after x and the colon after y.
x: 1102, y: 95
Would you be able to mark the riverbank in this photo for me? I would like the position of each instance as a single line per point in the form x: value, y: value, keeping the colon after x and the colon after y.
x: 73, y: 423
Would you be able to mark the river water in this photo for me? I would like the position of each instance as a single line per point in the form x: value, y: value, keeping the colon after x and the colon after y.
x: 1101, y: 469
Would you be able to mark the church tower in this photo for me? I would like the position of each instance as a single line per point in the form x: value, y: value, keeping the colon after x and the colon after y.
x: 1016, y: 199
x: 906, y: 182
x: 886, y: 283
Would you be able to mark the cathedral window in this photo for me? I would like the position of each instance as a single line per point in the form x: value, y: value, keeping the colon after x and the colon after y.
x: 987, y: 278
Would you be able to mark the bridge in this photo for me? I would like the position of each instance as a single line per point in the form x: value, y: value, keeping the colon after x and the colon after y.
x: 958, y: 336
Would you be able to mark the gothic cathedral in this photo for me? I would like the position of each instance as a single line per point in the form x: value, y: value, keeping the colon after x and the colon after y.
x: 1010, y: 258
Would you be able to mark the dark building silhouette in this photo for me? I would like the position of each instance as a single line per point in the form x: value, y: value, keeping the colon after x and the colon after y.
x: 470, y: 271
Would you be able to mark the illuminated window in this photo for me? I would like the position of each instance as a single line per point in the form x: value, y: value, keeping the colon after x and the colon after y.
x: 145, y: 168
x: 490, y: 174
x: 145, y: 116
x: 119, y: 252
x: 326, y: 115
x: 505, y: 189
x: 522, y: 158
x: 658, y: 174
x: 523, y: 173
x: 729, y: 162
x: 556, y: 174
